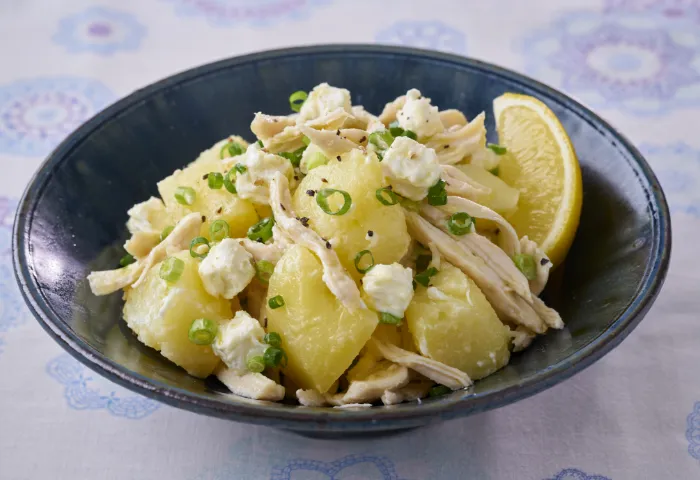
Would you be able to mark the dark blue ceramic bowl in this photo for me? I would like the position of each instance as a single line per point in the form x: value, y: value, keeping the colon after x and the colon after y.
x: 71, y: 221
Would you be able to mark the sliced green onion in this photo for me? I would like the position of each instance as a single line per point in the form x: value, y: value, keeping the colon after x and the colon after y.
x: 494, y: 171
x: 306, y: 140
x: 198, y: 242
x: 230, y: 180
x: 424, y: 277
x: 410, y: 134
x: 273, y: 338
x: 166, y: 231
x: 275, y: 357
x: 185, y: 195
x: 261, y: 231
x: 437, y: 195
x: 460, y: 223
x: 203, y: 331
x: 389, y: 319
x: 381, y: 139
x: 127, y: 259
x: 233, y: 149
x: 218, y: 230
x: 215, y: 180
x: 383, y: 193
x: 422, y: 262
x: 263, y: 270
x: 240, y: 168
x: 526, y: 264
x: 496, y: 148
x: 276, y: 302
x: 255, y: 363
x: 394, y: 124
x: 260, y: 144
x: 171, y: 269
x: 297, y: 99
x: 439, y: 391
x: 317, y: 159
x: 322, y: 201
x: 396, y: 131
x: 358, y: 261
x: 294, y: 157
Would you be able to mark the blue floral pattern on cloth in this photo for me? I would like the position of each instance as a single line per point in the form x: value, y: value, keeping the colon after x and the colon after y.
x: 368, y: 467
x: 575, y: 474
x: 8, y: 207
x: 693, y: 432
x: 100, y: 30
x: 36, y: 114
x: 85, y: 390
x: 12, y: 310
x: 669, y: 8
x: 678, y: 169
x: 433, y: 35
x: 641, y: 61
x: 225, y: 13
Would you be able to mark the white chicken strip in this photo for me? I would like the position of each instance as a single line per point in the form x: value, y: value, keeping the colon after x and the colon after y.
x: 452, y: 117
x: 386, y: 376
x: 355, y: 135
x: 521, y: 338
x: 267, y: 126
x: 365, y: 120
x: 271, y: 252
x: 542, y: 263
x: 492, y: 255
x: 334, y: 275
x: 456, y: 143
x: 141, y: 243
x: 311, y: 398
x: 388, y: 115
x: 250, y: 385
x: 504, y: 300
x: 460, y: 184
x: 550, y: 316
x: 109, y: 281
x: 288, y: 140
x: 436, y: 371
x: 330, y: 142
x: 334, y: 120
x: 412, y: 391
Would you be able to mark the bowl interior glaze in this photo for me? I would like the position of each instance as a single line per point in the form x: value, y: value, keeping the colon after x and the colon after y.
x: 71, y: 221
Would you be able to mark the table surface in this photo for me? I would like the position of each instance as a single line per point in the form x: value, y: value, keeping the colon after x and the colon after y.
x: 633, y: 415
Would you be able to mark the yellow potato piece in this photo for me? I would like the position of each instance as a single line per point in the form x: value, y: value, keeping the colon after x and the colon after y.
x: 161, y: 313
x: 461, y: 330
x: 217, y: 204
x: 320, y: 336
x: 348, y: 233
x: 502, y: 198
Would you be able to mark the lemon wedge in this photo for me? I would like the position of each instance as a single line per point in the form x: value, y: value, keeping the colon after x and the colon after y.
x: 541, y: 163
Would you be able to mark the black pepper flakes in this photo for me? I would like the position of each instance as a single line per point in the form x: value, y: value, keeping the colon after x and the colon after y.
x: 446, y: 146
x: 220, y: 209
x: 328, y: 244
x: 337, y: 132
x: 544, y: 261
x: 282, y: 207
x: 304, y: 221
x: 296, y: 177
x: 259, y: 240
x: 370, y: 233
x: 205, y: 176
x: 338, y: 158
x: 310, y: 193
x: 265, y: 323
x: 324, y: 180
x: 363, y: 139
x: 204, y: 218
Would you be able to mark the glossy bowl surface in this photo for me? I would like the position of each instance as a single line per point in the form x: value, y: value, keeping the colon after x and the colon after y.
x: 71, y: 221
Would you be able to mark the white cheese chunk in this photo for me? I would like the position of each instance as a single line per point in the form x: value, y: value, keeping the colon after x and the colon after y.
x: 260, y: 167
x: 227, y: 269
x: 322, y: 100
x: 411, y: 168
x: 238, y: 339
x: 419, y: 116
x: 390, y: 287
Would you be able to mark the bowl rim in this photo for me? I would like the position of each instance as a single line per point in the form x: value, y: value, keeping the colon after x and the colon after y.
x: 327, y: 419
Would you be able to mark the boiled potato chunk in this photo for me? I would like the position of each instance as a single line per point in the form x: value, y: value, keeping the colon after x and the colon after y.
x: 348, y: 233
x: 320, y: 336
x: 161, y: 313
x: 214, y: 153
x: 457, y: 326
x: 502, y: 198
x: 214, y: 204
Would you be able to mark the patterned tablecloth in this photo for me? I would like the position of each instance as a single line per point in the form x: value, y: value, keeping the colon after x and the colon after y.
x: 633, y: 415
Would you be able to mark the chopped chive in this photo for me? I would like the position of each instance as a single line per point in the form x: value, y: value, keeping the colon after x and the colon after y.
x: 496, y: 148
x: 126, y: 260
x: 381, y: 139
x: 218, y: 230
x: 396, y: 131
x: 410, y: 134
x: 275, y: 357
x: 322, y: 201
x: 255, y: 364
x: 171, y: 269
x: 439, y: 391
x: 273, y: 338
x: 358, y: 260
x: 316, y: 160
x: 263, y: 270
x: 198, y: 242
x: 383, y: 193
x: 240, y: 168
x: 203, y: 331
x: 261, y: 231
x: 294, y: 157
x: 306, y: 140
x: 297, y: 99
x: 185, y: 195
x: 389, y: 319
x: 460, y: 223
x: 260, y: 144
x: 166, y: 231
x: 230, y: 180
x: 526, y: 264
x: 437, y: 195
x: 424, y: 277
x: 215, y: 180
x: 276, y: 302
x: 231, y: 149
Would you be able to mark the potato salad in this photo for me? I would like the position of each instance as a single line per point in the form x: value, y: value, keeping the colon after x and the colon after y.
x: 342, y: 259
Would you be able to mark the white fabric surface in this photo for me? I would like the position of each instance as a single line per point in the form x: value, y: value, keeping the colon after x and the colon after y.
x: 633, y: 415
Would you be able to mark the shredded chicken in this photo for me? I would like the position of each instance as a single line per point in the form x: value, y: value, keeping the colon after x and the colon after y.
x: 542, y: 263
x: 270, y: 252
x: 109, y: 281
x: 141, y: 243
x: 288, y: 140
x: 436, y: 371
x: 334, y: 275
x: 334, y: 120
x: 357, y: 136
x: 413, y: 391
x: 459, y: 183
x: 311, y: 398
x: 386, y: 376
x: 458, y: 142
x: 365, y: 120
x: 452, y: 117
x: 266, y: 127
x: 434, y: 256
x: 330, y: 142
x: 521, y: 338
x: 388, y: 115
x: 251, y: 385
